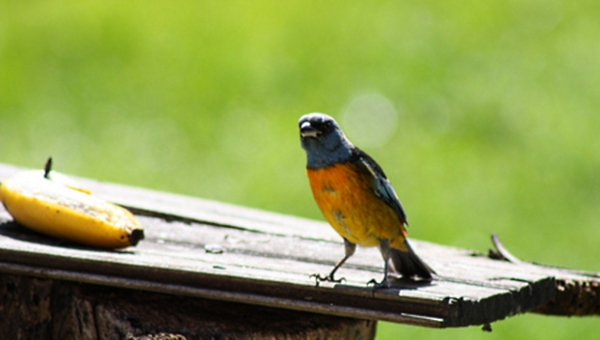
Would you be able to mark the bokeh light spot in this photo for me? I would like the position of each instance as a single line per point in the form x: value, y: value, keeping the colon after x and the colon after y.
x: 369, y: 120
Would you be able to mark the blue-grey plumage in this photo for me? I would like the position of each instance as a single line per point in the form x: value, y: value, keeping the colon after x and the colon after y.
x: 323, y: 140
x: 327, y: 148
x: 332, y: 147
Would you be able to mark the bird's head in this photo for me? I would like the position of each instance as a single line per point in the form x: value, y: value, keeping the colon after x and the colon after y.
x: 323, y: 140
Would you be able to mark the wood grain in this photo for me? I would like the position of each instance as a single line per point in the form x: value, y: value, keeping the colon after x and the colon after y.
x: 222, y: 252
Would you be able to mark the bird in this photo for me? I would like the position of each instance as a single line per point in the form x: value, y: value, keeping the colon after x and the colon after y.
x: 357, y: 199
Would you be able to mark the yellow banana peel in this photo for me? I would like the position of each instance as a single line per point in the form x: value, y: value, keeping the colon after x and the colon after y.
x: 47, y: 203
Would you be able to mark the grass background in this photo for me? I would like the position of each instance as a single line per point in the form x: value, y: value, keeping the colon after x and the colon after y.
x: 482, y: 113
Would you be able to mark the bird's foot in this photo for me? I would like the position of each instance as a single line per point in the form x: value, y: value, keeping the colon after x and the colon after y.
x: 385, y: 283
x: 328, y: 278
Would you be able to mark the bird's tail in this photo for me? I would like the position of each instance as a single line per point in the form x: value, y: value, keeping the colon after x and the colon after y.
x: 408, y: 264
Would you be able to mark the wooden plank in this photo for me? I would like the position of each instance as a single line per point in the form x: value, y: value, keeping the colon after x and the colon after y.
x: 223, y: 252
x: 577, y: 292
x: 59, y: 309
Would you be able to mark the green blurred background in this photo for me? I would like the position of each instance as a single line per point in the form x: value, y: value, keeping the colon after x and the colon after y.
x: 483, y: 113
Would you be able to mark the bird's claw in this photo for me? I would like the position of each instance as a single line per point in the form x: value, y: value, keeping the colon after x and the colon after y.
x: 328, y: 278
x: 378, y: 285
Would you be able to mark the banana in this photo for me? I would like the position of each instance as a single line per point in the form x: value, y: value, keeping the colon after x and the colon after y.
x: 47, y: 203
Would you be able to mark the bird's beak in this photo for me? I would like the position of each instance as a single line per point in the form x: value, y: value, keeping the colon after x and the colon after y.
x: 307, y: 130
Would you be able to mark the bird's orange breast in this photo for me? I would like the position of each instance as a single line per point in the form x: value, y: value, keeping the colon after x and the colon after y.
x: 346, y: 198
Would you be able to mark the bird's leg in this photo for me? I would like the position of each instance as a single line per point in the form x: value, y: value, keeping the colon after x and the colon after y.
x: 385, y: 283
x: 330, y: 277
x: 384, y: 248
x: 349, y: 248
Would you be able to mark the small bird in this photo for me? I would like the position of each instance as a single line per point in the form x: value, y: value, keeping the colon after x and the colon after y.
x: 356, y: 198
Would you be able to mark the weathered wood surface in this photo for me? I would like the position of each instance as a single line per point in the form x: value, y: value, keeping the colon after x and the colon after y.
x: 222, y: 252
x: 34, y: 308
x: 577, y: 292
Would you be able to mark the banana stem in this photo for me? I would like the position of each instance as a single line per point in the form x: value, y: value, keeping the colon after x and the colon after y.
x: 48, y: 167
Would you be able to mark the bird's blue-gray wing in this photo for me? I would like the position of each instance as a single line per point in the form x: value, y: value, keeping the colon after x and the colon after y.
x: 382, y: 187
